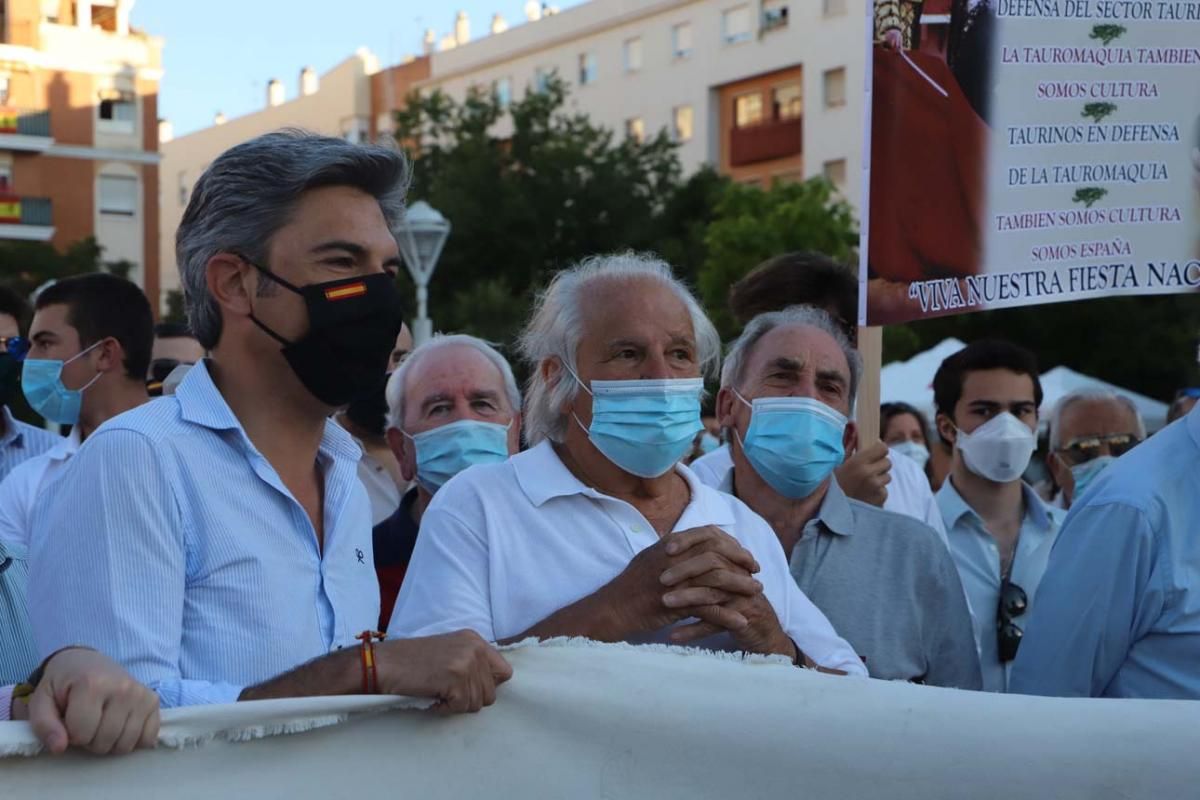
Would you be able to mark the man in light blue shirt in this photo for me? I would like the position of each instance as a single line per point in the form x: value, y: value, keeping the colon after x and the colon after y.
x: 1119, y: 615
x: 18, y: 442
x: 1000, y: 532
x: 217, y: 543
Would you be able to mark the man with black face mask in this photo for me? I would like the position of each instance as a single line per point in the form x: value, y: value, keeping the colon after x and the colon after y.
x: 217, y: 542
x: 18, y: 441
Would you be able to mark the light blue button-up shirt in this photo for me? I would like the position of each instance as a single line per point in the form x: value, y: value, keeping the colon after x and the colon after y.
x: 17, y: 656
x: 20, y: 442
x: 1119, y: 615
x: 172, y: 545
x: 978, y: 560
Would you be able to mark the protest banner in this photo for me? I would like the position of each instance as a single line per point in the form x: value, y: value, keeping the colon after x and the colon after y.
x: 1029, y: 151
x: 582, y: 720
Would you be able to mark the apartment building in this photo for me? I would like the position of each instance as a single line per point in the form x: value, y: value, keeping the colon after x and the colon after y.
x: 350, y: 101
x: 762, y: 89
x: 78, y: 129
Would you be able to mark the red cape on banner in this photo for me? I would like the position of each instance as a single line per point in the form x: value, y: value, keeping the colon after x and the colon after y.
x: 928, y: 157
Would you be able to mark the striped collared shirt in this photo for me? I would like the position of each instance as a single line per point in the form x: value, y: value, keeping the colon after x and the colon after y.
x: 17, y: 655
x: 19, y: 442
x: 171, y: 544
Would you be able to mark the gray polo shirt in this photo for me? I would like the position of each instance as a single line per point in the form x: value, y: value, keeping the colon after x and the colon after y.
x: 888, y: 584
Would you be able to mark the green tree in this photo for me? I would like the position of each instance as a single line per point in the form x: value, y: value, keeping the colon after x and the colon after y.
x: 522, y: 206
x: 27, y: 265
x: 752, y: 224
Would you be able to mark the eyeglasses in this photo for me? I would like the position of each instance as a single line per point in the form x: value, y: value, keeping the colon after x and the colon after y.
x: 15, y: 346
x: 1086, y: 448
x: 1013, y: 603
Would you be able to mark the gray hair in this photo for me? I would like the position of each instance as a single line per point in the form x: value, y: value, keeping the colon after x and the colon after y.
x: 733, y: 373
x: 1091, y: 394
x: 250, y: 192
x: 396, y: 385
x: 555, y: 330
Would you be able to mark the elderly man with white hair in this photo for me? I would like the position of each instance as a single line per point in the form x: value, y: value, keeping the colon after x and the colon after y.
x: 885, y: 580
x: 1089, y: 430
x: 453, y: 403
x: 597, y: 530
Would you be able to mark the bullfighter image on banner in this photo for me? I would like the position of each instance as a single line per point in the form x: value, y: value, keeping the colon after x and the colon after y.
x: 1024, y: 153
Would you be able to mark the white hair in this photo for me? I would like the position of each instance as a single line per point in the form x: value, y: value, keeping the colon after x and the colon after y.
x: 733, y: 372
x: 555, y: 330
x: 396, y: 385
x: 1092, y: 395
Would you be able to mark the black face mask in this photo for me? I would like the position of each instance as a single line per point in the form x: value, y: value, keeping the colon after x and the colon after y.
x: 352, y: 327
x: 369, y: 410
x: 10, y: 373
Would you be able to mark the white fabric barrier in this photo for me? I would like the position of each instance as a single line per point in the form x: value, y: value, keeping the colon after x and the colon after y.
x: 581, y: 720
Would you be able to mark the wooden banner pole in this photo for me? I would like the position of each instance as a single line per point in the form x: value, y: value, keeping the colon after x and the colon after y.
x: 870, y: 345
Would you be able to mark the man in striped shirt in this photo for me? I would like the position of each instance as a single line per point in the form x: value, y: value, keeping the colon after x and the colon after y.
x: 18, y: 441
x: 217, y: 542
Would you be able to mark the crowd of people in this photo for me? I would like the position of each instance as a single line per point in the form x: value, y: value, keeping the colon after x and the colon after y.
x: 287, y: 498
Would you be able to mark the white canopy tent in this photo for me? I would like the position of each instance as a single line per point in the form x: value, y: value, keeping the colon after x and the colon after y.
x: 911, y: 382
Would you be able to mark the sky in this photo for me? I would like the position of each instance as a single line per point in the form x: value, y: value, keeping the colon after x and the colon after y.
x: 219, y: 54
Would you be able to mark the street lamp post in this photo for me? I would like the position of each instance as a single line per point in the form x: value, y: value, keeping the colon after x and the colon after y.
x: 421, y: 237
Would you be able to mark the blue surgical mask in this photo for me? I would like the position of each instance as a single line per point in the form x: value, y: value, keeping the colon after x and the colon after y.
x: 1086, y: 472
x: 708, y: 443
x: 444, y: 452
x: 793, y: 443
x: 644, y: 426
x: 41, y: 380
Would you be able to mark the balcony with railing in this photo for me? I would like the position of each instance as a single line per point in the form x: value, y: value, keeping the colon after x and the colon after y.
x: 766, y: 141
x: 26, y: 218
x: 22, y: 129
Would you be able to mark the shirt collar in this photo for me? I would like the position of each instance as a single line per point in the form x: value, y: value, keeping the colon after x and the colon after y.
x: 201, y: 403
x: 12, y: 433
x: 66, y: 447
x: 543, y: 476
x: 836, y: 514
x: 954, y: 507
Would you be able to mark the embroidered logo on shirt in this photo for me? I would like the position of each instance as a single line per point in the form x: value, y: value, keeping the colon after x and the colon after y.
x: 358, y: 552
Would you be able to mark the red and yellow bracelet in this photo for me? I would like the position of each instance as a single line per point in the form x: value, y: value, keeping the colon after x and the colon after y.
x: 370, y: 676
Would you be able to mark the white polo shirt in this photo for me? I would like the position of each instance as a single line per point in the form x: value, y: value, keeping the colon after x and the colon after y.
x: 908, y: 493
x: 504, y: 546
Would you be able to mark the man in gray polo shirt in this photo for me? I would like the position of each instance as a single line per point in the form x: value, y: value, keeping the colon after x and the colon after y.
x: 886, y: 581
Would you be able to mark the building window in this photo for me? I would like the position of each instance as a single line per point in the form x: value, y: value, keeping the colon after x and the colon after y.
x: 835, y: 172
x: 118, y: 195
x: 774, y: 15
x: 118, y: 113
x: 747, y: 110
x: 4, y: 80
x: 541, y: 79
x: 184, y: 189
x: 735, y: 25
x: 503, y: 90
x: 587, y: 68
x: 834, y: 7
x: 683, y: 123
x: 633, y: 54
x: 835, y: 87
x: 681, y: 40
x: 635, y: 128
x: 787, y: 102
